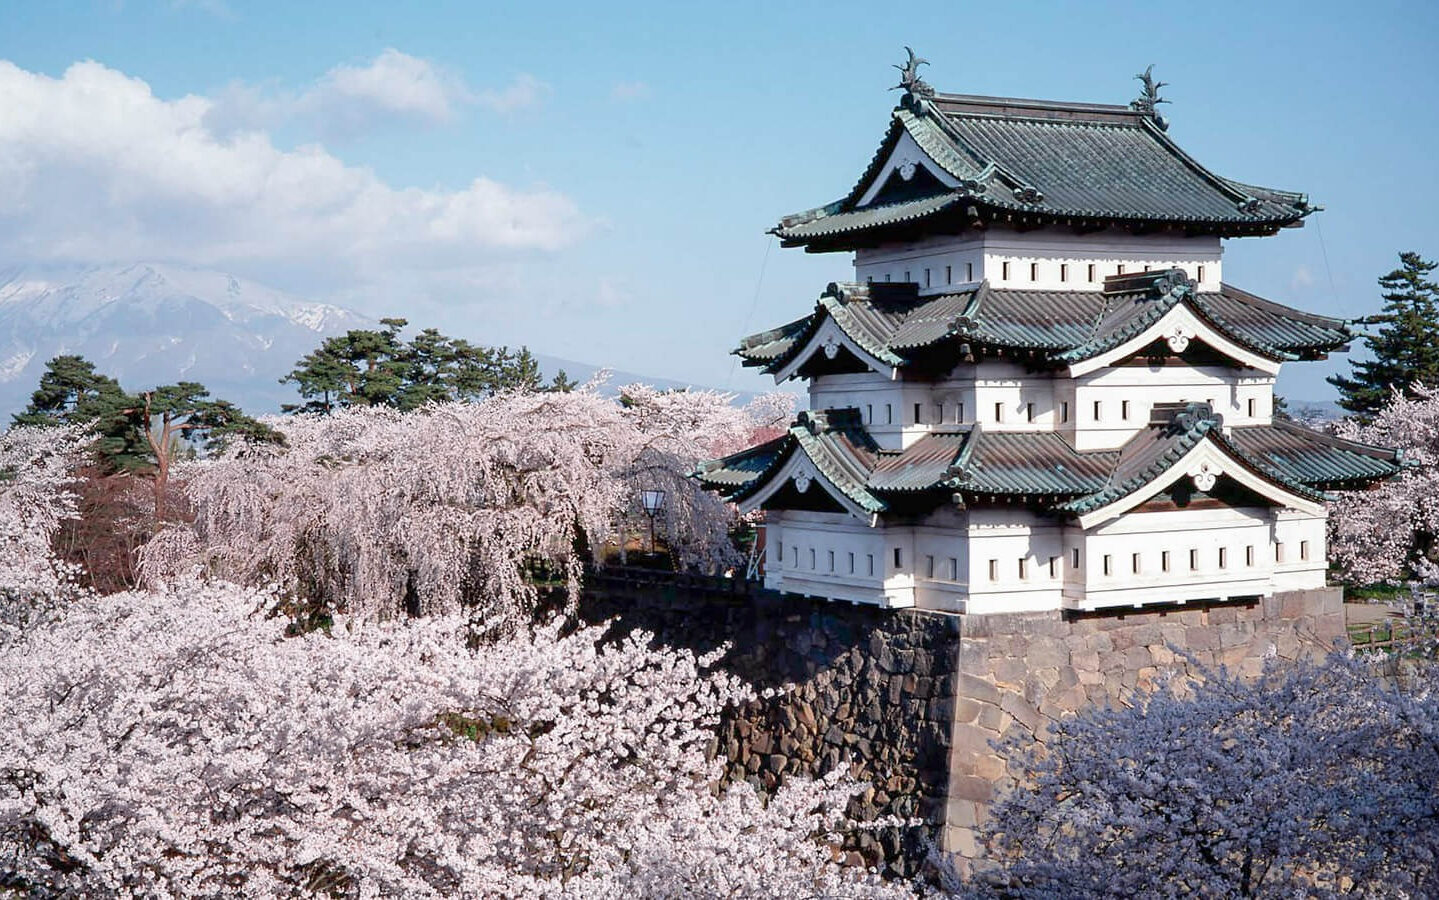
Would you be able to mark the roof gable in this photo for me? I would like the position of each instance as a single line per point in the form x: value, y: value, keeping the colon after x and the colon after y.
x: 895, y: 327
x: 1025, y: 161
x: 1283, y: 463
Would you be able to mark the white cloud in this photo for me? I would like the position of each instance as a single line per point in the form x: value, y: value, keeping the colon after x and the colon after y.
x: 1301, y: 279
x: 349, y: 99
x: 524, y: 91
x: 394, y: 82
x: 95, y: 168
x: 626, y: 91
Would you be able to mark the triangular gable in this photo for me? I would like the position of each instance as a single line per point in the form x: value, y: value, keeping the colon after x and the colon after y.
x: 1177, y: 327
x: 1207, y: 459
x: 905, y: 161
x: 801, y: 471
x: 827, y: 339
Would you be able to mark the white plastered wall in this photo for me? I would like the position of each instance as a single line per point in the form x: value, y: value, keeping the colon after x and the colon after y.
x: 1125, y: 395
x: 1044, y: 259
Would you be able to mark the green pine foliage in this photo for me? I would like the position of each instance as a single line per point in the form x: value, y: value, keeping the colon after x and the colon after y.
x: 127, y: 426
x: 1405, y: 348
x: 366, y: 367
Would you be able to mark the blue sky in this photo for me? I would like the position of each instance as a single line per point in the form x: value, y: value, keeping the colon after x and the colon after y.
x: 632, y: 158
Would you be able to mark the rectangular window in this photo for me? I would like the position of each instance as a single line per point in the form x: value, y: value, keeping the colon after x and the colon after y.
x: 1249, y: 555
x: 959, y: 412
x: 1023, y: 568
x: 1164, y: 561
x: 1074, y: 559
x: 869, y: 278
x: 1279, y: 551
x: 1108, y: 564
x: 1124, y: 410
x: 811, y: 559
x: 929, y: 567
x: 906, y: 276
x: 1091, y: 271
x: 851, y: 564
x: 869, y: 413
x: 1054, y: 567
x: 926, y: 278
x: 918, y: 416
x: 1034, y: 271
x: 1064, y: 411
x: 796, y: 557
x: 1303, y: 549
x: 1251, y: 407
x: 869, y: 560
x: 1029, y: 411
x: 1223, y: 557
x: 969, y: 271
x: 939, y: 414
x: 831, y: 560
x: 886, y: 277
x: 1064, y: 271
x: 999, y: 412
x: 898, y: 558
x: 1146, y: 268
x: 1134, y: 563
x: 1119, y: 270
x: 994, y: 570
x: 949, y: 274
x: 1004, y: 271
x: 1096, y: 410
x: 888, y: 414
x: 953, y: 569
x: 1201, y: 274
x: 1193, y: 560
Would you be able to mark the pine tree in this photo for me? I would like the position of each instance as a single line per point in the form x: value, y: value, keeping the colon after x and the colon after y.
x: 141, y: 433
x: 1405, y: 349
x: 377, y: 368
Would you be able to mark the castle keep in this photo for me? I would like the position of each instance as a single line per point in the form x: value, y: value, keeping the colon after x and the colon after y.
x: 1038, y: 392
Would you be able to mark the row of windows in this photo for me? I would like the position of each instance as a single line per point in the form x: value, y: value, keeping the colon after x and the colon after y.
x: 1093, y: 272
x: 1051, y: 568
x: 849, y: 559
x: 939, y: 409
x: 1137, y: 567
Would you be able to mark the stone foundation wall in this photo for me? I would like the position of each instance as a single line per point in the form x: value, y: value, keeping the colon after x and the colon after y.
x: 1018, y: 672
x: 873, y: 691
x: 911, y: 700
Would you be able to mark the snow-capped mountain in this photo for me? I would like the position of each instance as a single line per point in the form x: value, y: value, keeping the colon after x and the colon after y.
x: 147, y: 324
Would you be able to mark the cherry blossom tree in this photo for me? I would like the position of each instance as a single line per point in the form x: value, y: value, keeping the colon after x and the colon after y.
x: 675, y: 431
x: 36, y: 498
x: 178, y: 743
x: 1313, y: 780
x: 375, y: 512
x: 1390, y: 532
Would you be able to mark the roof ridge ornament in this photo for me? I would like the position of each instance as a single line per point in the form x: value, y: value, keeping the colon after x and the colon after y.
x: 1148, y: 100
x: 916, y: 91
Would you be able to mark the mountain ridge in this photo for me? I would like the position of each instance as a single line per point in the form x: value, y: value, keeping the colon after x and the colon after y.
x: 148, y: 323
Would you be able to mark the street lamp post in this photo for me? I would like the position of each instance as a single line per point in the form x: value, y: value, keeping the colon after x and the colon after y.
x: 654, y: 503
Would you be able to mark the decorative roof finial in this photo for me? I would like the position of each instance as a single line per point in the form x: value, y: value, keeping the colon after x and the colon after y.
x: 909, y: 81
x: 1149, y: 98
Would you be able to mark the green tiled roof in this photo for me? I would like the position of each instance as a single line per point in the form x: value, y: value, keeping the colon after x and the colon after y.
x: 1042, y: 161
x: 1314, y: 458
x: 1035, y: 464
x: 1043, y: 468
x: 893, y: 322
